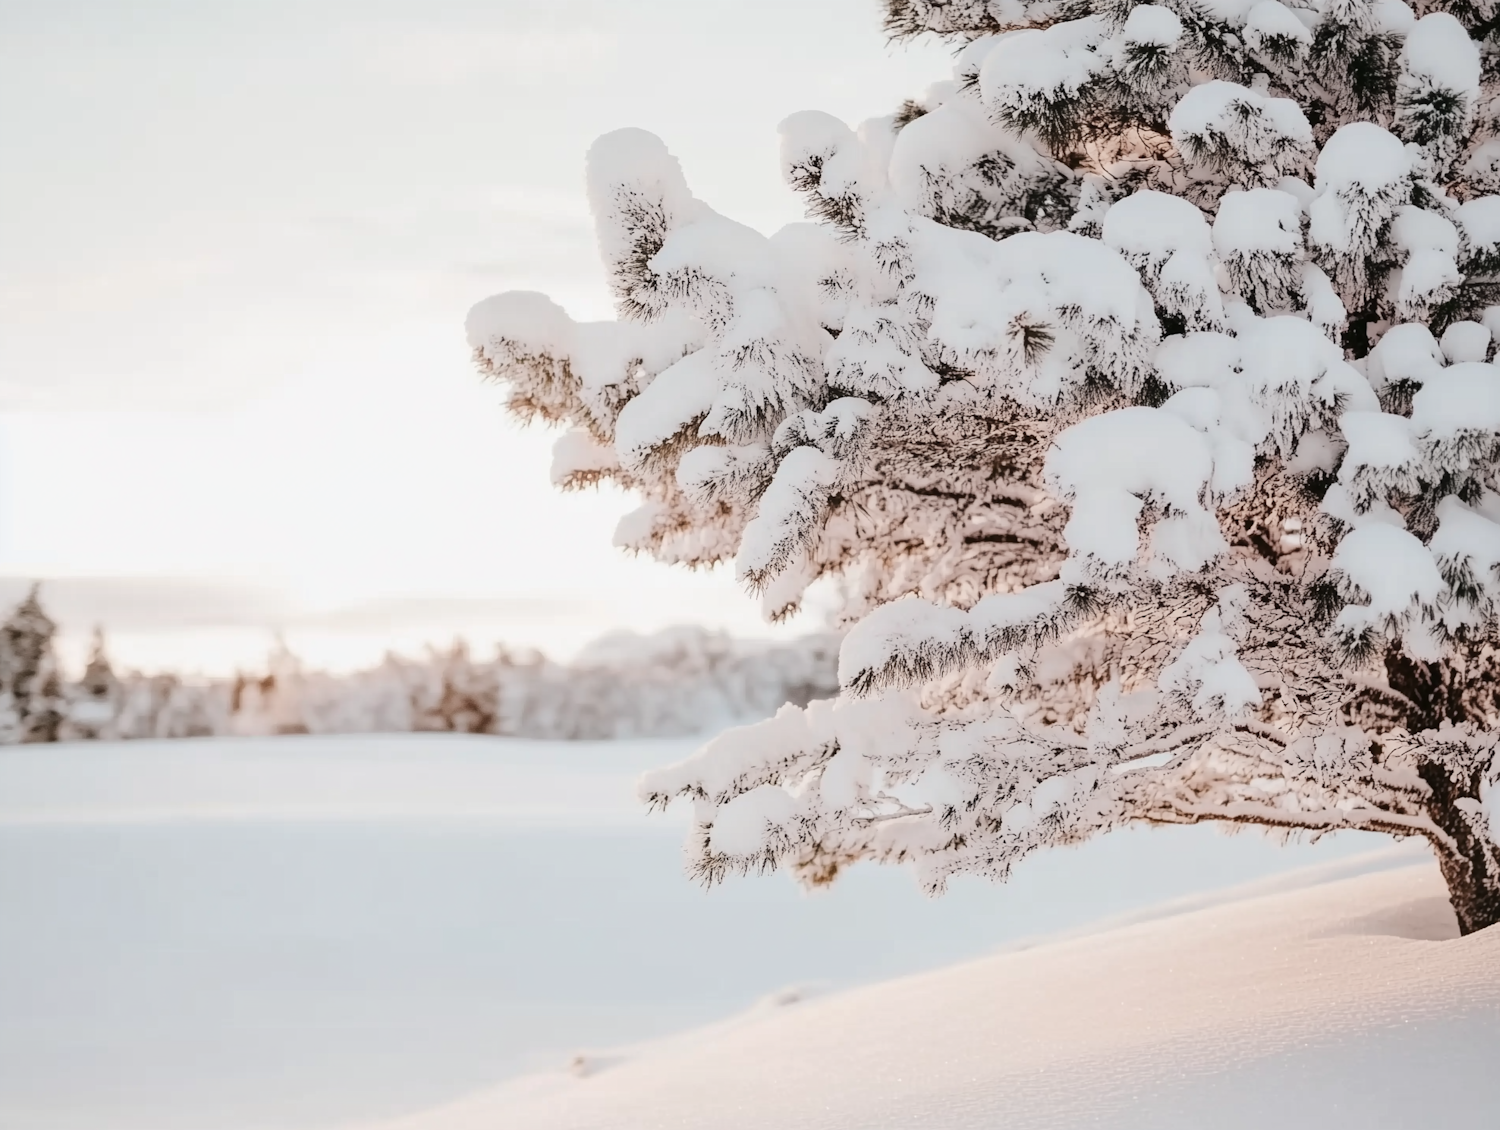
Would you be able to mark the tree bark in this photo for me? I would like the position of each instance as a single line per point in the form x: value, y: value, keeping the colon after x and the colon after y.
x: 1473, y: 887
x: 1470, y: 862
x: 1469, y: 858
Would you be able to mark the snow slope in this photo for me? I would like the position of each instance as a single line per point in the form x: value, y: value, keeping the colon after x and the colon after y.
x: 289, y: 933
x: 1351, y: 1003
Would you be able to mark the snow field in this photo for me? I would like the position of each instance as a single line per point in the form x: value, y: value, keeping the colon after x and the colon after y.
x: 269, y: 933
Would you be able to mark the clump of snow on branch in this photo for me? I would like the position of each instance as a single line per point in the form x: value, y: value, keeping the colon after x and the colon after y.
x: 1208, y: 673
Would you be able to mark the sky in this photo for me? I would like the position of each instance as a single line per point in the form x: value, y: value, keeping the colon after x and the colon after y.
x: 237, y: 244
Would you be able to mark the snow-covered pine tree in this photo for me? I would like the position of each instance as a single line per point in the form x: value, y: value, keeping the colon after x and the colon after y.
x: 94, y: 701
x: 1137, y: 383
x: 30, y: 693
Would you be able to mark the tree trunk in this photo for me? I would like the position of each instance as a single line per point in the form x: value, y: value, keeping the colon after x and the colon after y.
x: 1470, y: 858
x: 1470, y: 862
x: 1473, y: 886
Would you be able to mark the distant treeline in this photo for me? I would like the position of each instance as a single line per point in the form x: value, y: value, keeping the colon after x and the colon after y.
x: 679, y: 681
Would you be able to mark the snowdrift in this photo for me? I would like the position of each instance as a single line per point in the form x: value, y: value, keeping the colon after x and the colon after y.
x: 1350, y: 1002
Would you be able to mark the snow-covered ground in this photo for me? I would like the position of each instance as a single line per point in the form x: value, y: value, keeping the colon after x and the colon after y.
x: 1344, y: 1004
x: 263, y: 933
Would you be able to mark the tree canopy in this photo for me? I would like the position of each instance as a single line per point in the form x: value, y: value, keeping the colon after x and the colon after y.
x: 1134, y: 388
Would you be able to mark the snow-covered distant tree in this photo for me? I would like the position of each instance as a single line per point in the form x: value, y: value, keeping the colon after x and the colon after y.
x: 1136, y: 381
x: 167, y: 706
x: 93, y: 702
x: 30, y: 692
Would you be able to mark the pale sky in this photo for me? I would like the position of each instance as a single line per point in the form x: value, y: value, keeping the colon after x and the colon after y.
x: 237, y: 243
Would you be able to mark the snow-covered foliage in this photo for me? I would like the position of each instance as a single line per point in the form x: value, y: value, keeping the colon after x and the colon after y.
x: 1134, y: 385
x: 677, y: 682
